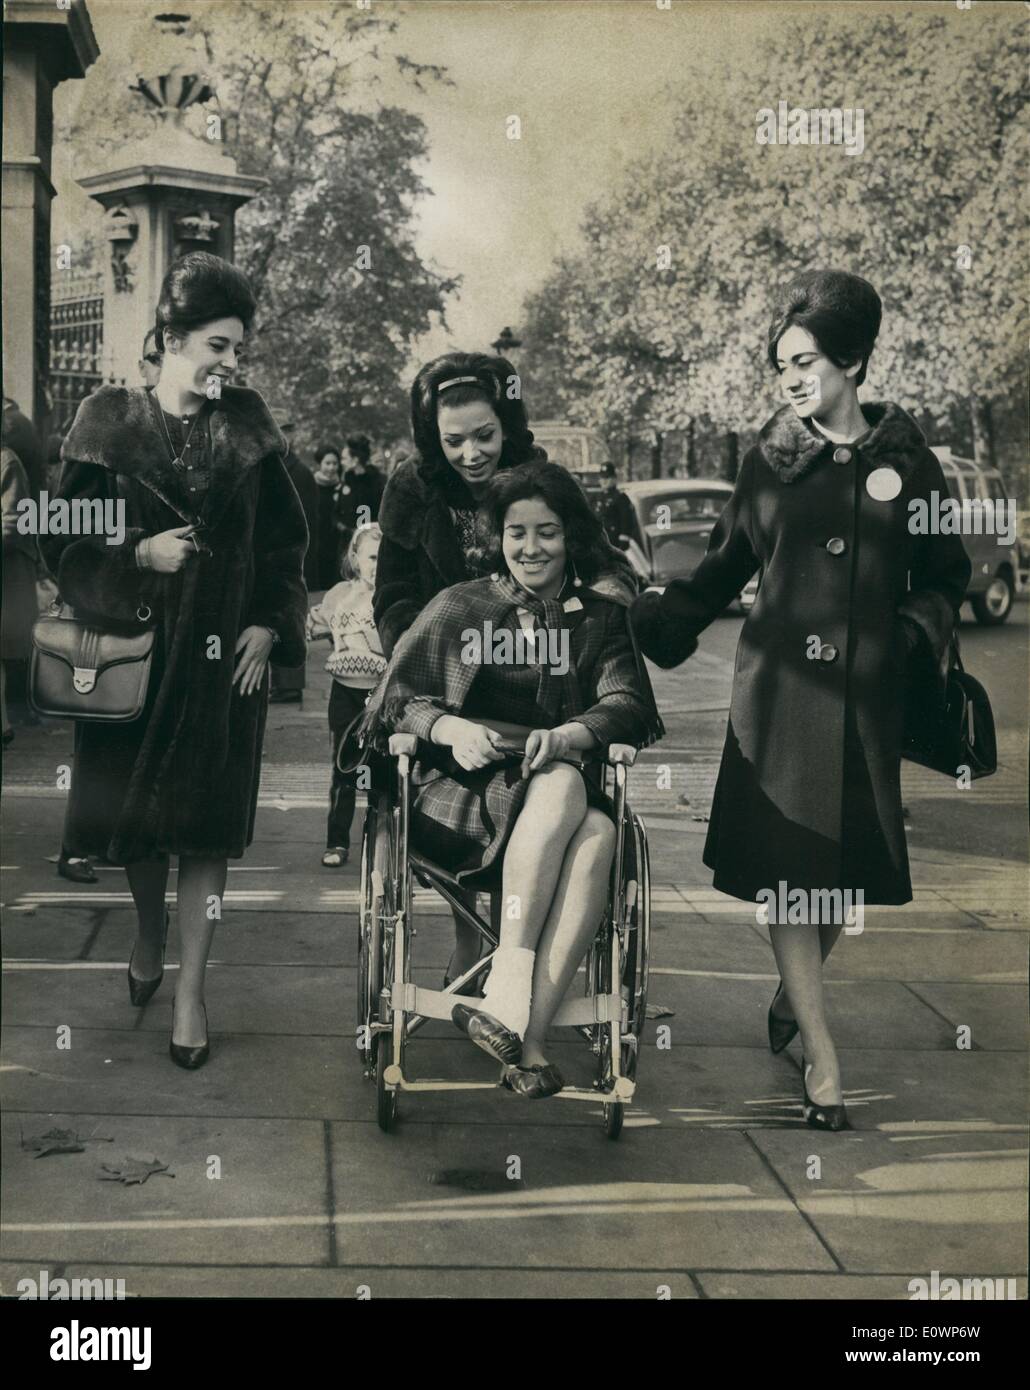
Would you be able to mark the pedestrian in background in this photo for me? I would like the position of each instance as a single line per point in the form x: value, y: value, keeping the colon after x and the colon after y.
x: 212, y: 554
x: 361, y: 489
x: 355, y: 664
x: 20, y: 564
x: 614, y: 509
x: 288, y: 682
x: 327, y: 480
x: 809, y: 790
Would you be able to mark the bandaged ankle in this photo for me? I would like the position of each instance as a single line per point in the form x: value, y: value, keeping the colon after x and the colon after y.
x: 509, y: 989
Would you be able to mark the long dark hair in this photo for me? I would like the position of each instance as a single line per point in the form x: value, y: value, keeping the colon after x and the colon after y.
x: 495, y: 381
x: 840, y: 310
x: 585, y: 541
x: 199, y: 288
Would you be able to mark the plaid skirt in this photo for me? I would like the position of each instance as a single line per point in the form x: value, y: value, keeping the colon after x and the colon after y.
x: 462, y: 820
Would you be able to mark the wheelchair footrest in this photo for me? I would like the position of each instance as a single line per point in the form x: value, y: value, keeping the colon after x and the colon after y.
x: 436, y: 1003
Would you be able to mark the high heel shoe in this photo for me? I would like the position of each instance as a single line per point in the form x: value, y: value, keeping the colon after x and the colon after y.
x: 832, y: 1117
x: 142, y: 991
x: 781, y: 1033
x: 190, y: 1058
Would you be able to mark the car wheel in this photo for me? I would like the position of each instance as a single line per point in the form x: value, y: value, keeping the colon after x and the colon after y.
x: 995, y: 604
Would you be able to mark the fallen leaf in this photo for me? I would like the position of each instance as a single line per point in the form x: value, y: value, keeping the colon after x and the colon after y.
x: 659, y: 1011
x: 132, y: 1170
x: 55, y: 1141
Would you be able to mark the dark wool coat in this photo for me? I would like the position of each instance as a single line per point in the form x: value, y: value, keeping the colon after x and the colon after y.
x: 183, y: 778
x: 463, y: 819
x: 809, y: 789
x: 359, y: 490
x: 420, y: 552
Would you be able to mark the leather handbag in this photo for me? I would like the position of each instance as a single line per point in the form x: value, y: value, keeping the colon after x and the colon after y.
x: 950, y: 728
x: 77, y: 671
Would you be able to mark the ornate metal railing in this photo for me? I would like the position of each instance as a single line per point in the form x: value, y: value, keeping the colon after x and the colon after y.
x: 76, y: 342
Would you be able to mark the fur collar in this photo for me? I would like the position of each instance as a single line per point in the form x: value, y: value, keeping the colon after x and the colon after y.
x: 116, y: 428
x: 791, y: 449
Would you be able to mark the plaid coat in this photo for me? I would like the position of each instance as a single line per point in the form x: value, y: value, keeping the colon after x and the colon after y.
x: 460, y: 819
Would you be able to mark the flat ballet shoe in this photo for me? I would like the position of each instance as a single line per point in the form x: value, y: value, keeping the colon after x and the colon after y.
x: 534, y: 1083
x: 487, y: 1033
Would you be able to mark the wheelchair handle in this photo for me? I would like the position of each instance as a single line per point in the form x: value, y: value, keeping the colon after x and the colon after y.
x: 622, y: 753
x: 401, y: 744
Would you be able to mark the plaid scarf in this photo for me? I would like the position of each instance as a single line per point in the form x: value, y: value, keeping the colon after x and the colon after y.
x: 427, y: 662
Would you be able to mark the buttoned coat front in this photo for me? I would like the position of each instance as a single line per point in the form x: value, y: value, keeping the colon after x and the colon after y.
x: 183, y: 777
x: 809, y: 790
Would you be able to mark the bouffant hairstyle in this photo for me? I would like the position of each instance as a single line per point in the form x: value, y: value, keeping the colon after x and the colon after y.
x: 841, y: 311
x: 492, y: 380
x: 585, y: 541
x: 324, y: 449
x: 198, y: 289
x: 360, y: 446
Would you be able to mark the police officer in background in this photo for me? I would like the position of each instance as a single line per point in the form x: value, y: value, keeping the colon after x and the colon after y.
x: 614, y: 509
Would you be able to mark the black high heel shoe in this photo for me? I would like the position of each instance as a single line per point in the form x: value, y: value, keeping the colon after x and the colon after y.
x: 831, y: 1117
x: 142, y: 991
x: 190, y: 1058
x: 781, y: 1033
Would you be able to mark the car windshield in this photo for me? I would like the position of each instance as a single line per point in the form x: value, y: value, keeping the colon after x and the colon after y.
x: 666, y: 509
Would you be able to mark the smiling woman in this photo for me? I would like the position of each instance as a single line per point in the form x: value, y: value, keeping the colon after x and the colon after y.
x: 212, y: 551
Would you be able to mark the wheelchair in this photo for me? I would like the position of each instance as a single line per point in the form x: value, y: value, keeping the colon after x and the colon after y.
x: 391, y: 1008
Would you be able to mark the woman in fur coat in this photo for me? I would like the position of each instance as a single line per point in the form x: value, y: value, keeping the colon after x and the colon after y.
x: 213, y: 547
x: 851, y: 602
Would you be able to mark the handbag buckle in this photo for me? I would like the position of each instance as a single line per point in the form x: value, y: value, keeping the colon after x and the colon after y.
x: 84, y: 678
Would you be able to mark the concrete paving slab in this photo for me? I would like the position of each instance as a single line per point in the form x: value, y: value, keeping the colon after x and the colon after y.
x: 268, y: 999
x: 956, y: 1205
x: 370, y: 1281
x: 648, y: 1205
x: 845, y: 1287
x: 732, y: 1012
x: 248, y: 937
x: 995, y: 1014
x: 926, y: 952
x: 48, y: 933
x: 268, y: 1204
x: 131, y: 1073
x: 923, y: 1093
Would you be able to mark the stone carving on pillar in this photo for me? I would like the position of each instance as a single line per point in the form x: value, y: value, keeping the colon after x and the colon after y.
x: 122, y: 230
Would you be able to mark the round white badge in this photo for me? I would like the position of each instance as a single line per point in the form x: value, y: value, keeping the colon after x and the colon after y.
x: 883, y: 484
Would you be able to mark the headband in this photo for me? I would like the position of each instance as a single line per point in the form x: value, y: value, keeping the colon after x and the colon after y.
x: 460, y: 381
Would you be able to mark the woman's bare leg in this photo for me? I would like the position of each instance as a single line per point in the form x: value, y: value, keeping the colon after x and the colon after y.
x: 553, y: 811
x: 828, y: 934
x: 201, y: 884
x: 576, y: 908
x: 798, y: 951
x: 148, y: 883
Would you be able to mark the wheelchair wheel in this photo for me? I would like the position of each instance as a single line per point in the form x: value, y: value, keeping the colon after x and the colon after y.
x: 376, y: 866
x: 386, y: 1101
x: 613, y: 1115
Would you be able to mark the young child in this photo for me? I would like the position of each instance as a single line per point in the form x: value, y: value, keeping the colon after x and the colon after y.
x: 355, y: 664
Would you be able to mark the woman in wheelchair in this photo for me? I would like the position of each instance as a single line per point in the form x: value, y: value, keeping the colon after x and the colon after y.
x: 511, y: 682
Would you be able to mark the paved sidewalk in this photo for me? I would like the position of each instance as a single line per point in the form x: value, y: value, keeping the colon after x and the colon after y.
x: 283, y: 1184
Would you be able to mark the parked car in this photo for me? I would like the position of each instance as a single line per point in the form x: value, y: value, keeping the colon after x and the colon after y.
x: 674, y: 518
x: 996, y: 579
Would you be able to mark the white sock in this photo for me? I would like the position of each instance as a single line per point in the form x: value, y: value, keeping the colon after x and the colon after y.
x: 509, y: 989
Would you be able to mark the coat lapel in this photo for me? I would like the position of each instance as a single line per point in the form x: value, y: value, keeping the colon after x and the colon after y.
x: 791, y: 449
x: 116, y: 428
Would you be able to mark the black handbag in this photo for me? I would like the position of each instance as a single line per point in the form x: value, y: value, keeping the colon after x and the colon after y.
x: 949, y: 727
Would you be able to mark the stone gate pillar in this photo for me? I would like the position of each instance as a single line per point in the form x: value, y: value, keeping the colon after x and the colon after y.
x: 44, y: 44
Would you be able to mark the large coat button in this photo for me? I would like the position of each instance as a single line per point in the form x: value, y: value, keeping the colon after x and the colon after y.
x: 842, y: 455
x: 828, y: 652
x: 836, y: 546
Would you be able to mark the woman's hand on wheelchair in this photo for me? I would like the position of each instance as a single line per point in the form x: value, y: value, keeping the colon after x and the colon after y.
x: 473, y: 745
x: 544, y: 746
